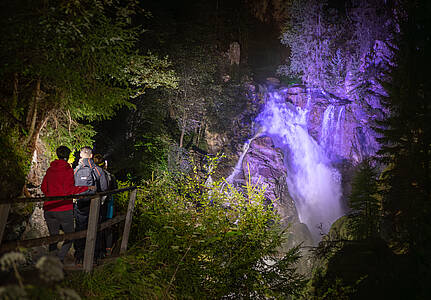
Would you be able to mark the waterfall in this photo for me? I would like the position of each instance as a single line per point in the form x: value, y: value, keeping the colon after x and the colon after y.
x: 313, y: 183
x: 339, y: 129
x: 238, y: 166
x: 326, y: 135
x: 331, y: 134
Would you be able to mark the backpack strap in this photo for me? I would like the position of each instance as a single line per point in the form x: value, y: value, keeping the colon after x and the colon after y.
x: 93, y: 167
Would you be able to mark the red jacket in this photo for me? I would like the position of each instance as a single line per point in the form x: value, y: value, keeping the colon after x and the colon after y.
x: 58, y: 181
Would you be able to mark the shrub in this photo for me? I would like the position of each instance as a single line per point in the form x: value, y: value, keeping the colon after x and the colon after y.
x: 196, y: 240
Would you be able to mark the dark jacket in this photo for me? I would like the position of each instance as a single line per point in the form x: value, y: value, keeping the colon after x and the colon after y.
x: 87, y: 173
x: 58, y: 181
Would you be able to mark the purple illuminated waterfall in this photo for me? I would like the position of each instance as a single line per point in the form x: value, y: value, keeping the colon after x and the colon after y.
x: 331, y: 134
x: 313, y: 183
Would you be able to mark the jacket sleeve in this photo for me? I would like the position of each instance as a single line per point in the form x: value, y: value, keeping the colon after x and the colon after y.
x: 69, y: 185
x: 44, y: 186
x: 103, y: 181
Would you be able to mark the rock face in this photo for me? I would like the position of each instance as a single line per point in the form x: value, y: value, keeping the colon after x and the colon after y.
x: 342, y: 126
x: 264, y: 162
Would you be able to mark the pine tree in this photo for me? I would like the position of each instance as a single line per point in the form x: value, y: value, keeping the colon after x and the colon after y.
x: 406, y: 141
x: 364, y: 204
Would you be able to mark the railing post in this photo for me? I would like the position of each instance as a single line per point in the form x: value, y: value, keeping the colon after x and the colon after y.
x: 128, y: 222
x: 4, y: 213
x: 90, y: 242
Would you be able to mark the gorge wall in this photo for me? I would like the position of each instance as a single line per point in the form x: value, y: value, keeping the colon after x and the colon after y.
x: 305, y: 143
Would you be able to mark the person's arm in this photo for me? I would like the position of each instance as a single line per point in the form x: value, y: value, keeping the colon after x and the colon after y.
x: 44, y: 185
x: 103, y: 181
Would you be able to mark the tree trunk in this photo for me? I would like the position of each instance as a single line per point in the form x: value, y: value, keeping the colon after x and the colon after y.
x: 182, y: 135
x: 36, y: 119
x: 32, y: 114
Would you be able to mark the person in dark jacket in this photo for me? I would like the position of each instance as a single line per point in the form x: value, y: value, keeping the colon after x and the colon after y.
x: 87, y: 173
x: 59, y: 181
x: 107, y: 207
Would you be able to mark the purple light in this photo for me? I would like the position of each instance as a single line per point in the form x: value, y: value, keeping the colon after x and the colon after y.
x: 313, y: 183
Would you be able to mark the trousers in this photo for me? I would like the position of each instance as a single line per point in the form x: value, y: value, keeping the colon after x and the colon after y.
x: 81, y: 213
x: 56, y: 220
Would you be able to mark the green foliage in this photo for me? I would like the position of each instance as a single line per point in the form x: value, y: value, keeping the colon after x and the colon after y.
x: 153, y: 159
x: 14, y: 165
x: 70, y: 133
x: 66, y: 63
x: 150, y: 72
x: 193, y: 241
x: 406, y: 140
x: 364, y: 203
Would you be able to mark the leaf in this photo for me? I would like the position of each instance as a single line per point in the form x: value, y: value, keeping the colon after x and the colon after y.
x: 169, y: 227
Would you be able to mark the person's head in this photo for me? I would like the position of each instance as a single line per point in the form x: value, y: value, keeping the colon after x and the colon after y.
x: 86, y: 152
x: 63, y: 152
x: 98, y: 160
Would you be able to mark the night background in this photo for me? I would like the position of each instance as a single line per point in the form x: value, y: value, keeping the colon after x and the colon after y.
x: 281, y: 148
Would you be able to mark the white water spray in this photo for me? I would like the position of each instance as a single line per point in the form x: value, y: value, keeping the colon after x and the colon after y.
x: 313, y: 183
x: 331, y: 134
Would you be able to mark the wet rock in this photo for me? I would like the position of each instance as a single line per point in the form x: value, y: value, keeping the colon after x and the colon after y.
x: 357, y: 137
x: 265, y: 165
x: 264, y: 162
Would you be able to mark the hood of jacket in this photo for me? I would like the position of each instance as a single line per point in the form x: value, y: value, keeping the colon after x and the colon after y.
x: 59, y: 165
x: 88, y: 162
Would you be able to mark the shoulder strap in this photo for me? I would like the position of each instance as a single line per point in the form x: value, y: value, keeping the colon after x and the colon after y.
x: 93, y: 167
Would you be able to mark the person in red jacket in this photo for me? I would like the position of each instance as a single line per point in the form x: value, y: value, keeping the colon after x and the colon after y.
x: 59, y: 181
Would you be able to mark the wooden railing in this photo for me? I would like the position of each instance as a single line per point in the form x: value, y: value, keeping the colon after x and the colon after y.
x: 90, y: 233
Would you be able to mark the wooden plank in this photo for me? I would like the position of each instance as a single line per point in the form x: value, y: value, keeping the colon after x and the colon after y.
x: 90, y: 243
x: 42, y: 199
x: 9, y: 246
x: 128, y: 222
x: 4, y: 213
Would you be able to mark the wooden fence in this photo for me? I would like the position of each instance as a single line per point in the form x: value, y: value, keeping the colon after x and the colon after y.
x: 90, y: 233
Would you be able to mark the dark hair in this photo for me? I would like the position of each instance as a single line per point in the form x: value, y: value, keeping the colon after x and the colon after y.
x: 98, y: 160
x: 63, y: 152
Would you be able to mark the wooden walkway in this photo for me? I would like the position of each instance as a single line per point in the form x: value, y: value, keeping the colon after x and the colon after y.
x: 90, y: 233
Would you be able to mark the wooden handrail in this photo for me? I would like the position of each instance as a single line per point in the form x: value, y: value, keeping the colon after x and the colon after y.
x: 90, y: 233
x: 79, y: 196
x: 11, y: 245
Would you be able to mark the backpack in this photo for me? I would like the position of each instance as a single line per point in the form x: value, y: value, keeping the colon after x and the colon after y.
x: 112, y: 182
x: 84, y: 176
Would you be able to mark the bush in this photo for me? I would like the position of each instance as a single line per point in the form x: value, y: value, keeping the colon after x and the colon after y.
x: 197, y: 241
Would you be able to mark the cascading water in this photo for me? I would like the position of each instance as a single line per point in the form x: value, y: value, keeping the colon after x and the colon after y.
x: 326, y: 136
x: 339, y: 129
x: 331, y: 131
x: 238, y: 166
x: 313, y: 183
